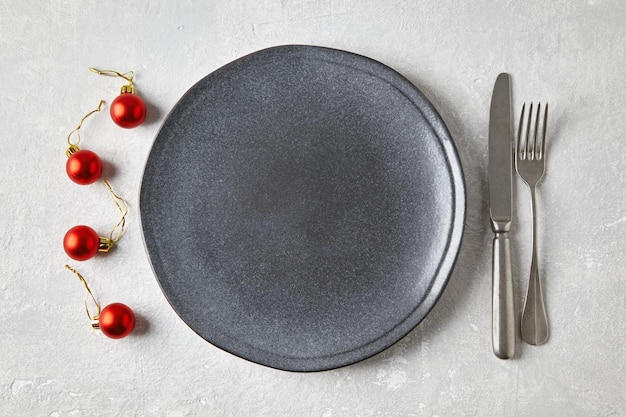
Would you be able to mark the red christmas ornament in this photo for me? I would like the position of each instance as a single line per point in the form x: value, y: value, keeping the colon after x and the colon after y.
x: 83, y: 167
x: 116, y: 320
x: 128, y: 110
x: 82, y: 243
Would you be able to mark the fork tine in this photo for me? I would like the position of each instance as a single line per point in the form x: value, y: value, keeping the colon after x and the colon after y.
x: 529, y: 147
x: 543, y: 136
x: 536, y: 144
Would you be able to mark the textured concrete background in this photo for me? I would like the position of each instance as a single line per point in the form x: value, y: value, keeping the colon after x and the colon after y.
x: 570, y: 53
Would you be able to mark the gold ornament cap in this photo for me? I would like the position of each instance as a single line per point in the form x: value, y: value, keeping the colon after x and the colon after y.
x: 105, y: 244
x: 72, y: 150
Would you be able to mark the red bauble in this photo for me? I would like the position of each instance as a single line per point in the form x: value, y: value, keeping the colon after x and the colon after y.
x: 84, y: 167
x: 116, y: 320
x: 128, y: 110
x: 81, y: 243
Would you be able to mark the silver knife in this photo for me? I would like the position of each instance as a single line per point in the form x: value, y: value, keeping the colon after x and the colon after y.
x: 500, y: 211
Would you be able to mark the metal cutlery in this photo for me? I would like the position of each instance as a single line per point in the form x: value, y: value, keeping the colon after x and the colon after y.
x: 530, y: 159
x: 500, y: 211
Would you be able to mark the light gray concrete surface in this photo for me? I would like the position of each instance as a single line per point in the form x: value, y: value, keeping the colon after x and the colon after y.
x: 569, y: 53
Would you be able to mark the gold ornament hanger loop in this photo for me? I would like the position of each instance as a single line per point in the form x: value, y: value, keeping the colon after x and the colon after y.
x: 92, y: 317
x: 74, y: 145
x: 128, y: 76
x: 122, y: 206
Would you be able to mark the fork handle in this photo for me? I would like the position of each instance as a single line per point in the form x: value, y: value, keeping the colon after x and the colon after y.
x: 534, y: 317
x: 503, y: 308
x: 534, y: 325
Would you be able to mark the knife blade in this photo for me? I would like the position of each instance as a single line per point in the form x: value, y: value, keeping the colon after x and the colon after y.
x: 500, y: 212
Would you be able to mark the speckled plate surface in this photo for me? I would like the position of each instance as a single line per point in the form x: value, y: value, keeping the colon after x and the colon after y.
x: 303, y: 207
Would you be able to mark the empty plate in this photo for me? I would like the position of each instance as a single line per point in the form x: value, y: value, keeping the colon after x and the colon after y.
x: 303, y: 207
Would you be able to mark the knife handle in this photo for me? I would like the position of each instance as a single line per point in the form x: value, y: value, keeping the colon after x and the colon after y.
x: 503, y: 330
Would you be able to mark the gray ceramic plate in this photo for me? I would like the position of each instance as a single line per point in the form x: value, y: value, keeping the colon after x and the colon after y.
x: 303, y: 207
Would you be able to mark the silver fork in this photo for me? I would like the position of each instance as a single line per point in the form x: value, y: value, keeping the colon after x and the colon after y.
x: 530, y: 161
